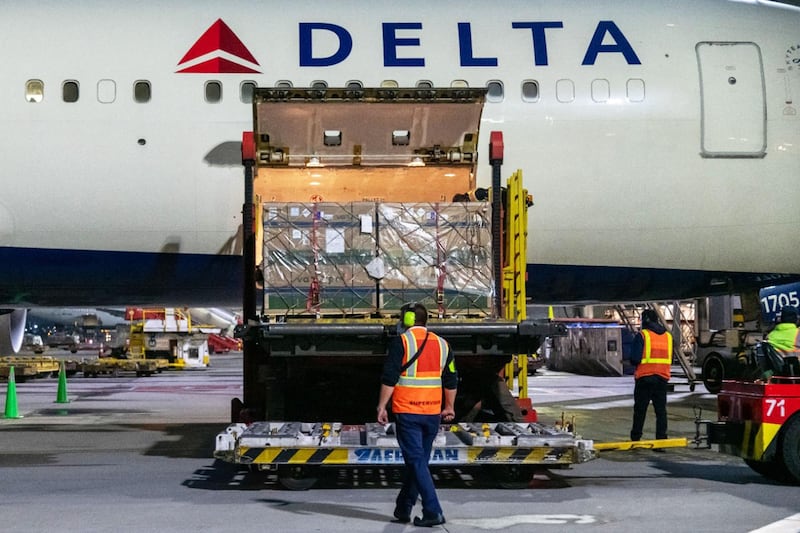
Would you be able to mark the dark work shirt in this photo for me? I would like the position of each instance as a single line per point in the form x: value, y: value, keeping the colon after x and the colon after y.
x: 394, y: 362
x: 637, y: 349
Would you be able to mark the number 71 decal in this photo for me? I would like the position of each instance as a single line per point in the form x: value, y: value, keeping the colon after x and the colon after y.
x: 780, y: 405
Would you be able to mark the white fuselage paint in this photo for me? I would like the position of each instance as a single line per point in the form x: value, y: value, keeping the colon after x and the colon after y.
x: 616, y: 182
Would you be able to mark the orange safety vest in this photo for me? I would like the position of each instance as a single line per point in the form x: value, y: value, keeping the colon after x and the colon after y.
x: 657, y: 355
x: 419, y: 389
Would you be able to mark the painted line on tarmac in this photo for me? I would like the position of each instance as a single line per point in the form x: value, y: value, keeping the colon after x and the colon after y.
x: 790, y: 524
x: 182, y: 388
x: 628, y: 402
x: 516, y: 520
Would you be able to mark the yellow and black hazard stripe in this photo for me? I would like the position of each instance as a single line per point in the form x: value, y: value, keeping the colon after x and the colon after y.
x: 545, y: 455
x: 317, y: 456
x: 750, y: 440
x: 537, y: 455
x: 758, y: 440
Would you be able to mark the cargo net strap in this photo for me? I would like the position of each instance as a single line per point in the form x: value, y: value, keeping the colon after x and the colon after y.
x: 317, y: 258
x: 438, y: 255
x: 314, y: 257
x: 441, y: 266
x: 313, y: 300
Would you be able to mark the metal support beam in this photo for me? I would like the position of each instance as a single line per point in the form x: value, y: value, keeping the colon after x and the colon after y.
x: 253, y: 394
x: 496, y: 160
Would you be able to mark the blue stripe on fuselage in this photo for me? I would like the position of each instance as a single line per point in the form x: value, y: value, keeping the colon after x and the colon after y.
x: 588, y: 284
x: 56, y: 277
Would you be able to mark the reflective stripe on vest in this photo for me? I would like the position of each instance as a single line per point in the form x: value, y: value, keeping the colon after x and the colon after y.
x: 419, y: 389
x: 656, y: 356
x: 409, y: 378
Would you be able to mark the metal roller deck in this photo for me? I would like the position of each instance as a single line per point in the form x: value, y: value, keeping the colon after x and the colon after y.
x: 268, y: 444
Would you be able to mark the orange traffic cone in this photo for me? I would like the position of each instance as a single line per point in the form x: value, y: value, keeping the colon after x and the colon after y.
x: 11, y: 396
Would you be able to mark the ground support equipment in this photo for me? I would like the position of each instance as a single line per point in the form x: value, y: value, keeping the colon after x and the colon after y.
x: 759, y: 422
x: 296, y: 449
x: 28, y: 367
x: 113, y: 366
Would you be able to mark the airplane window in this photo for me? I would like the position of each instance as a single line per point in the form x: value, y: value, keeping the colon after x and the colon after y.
x: 565, y: 91
x: 70, y: 91
x: 213, y: 92
x: 426, y: 88
x: 318, y: 88
x: 390, y: 84
x: 601, y: 91
x: 142, y: 91
x: 635, y: 89
x: 494, y: 91
x: 283, y: 84
x: 34, y: 91
x: 246, y: 91
x: 530, y: 91
x: 354, y: 89
x: 459, y: 83
x: 106, y: 91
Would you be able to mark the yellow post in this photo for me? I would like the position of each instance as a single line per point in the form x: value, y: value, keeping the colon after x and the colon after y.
x: 514, y: 273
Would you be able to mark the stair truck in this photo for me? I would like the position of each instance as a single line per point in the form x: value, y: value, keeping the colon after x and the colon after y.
x: 348, y: 215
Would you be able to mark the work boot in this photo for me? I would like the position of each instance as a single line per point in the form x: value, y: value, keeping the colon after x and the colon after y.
x: 423, y: 521
x: 404, y: 517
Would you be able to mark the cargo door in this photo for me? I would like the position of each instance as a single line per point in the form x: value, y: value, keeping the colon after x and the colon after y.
x: 346, y: 145
x: 733, y: 104
x: 358, y: 190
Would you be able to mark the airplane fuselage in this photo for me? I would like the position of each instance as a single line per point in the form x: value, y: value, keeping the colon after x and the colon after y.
x: 661, y: 141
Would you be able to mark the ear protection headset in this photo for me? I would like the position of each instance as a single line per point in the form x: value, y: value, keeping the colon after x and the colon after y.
x: 409, y: 316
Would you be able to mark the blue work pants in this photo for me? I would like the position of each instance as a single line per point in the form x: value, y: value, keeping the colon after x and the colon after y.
x: 415, y: 435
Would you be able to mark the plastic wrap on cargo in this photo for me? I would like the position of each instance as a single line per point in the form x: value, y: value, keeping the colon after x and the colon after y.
x: 315, y: 256
x: 329, y: 258
x: 436, y: 254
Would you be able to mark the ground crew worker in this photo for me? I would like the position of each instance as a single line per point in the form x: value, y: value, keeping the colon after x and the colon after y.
x: 418, y: 368
x: 785, y: 336
x: 651, y: 354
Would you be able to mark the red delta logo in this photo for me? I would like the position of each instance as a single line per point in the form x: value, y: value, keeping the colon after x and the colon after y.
x: 218, y: 51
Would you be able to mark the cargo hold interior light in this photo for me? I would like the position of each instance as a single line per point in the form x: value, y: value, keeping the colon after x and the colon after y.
x: 332, y: 138
x: 401, y: 137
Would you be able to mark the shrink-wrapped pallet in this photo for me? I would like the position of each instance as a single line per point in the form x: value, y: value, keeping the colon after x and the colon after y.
x: 319, y: 258
x: 438, y: 255
x: 314, y: 256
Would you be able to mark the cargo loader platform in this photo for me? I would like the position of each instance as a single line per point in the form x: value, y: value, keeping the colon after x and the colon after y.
x: 296, y: 449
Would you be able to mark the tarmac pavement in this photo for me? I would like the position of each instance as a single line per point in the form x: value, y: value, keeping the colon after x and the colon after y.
x: 135, y: 454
